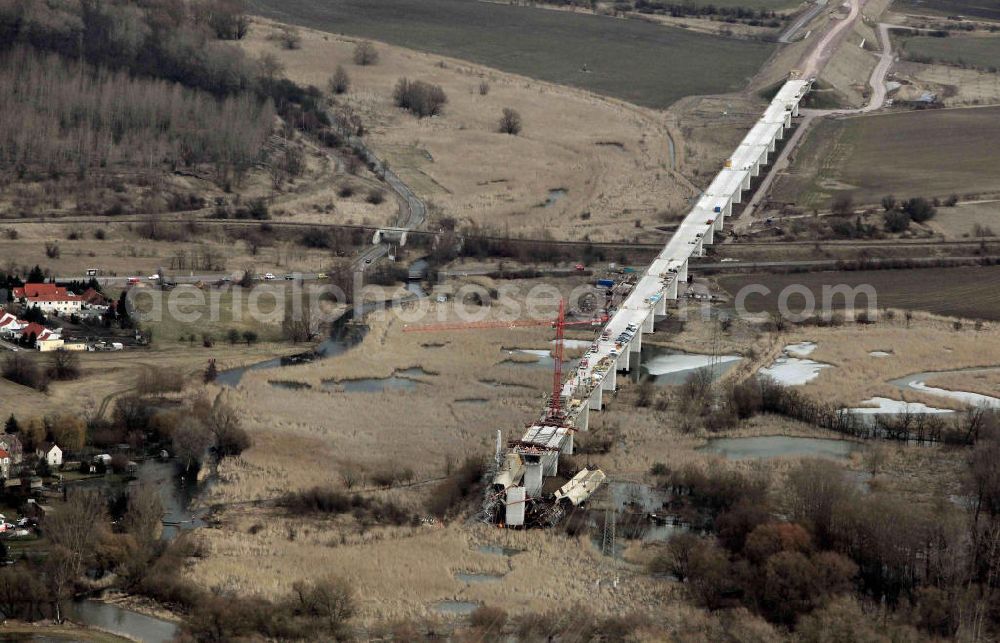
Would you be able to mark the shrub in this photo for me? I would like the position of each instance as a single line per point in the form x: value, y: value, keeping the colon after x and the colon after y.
x: 23, y: 370
x: 420, y: 98
x: 919, y: 209
x: 456, y: 488
x: 896, y: 221
x: 345, y: 192
x: 340, y: 81
x: 490, y: 621
x: 484, y: 88
x: 376, y: 197
x: 510, y: 122
x: 365, y: 53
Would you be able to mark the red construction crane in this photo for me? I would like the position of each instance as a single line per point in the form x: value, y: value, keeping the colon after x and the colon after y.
x: 559, y: 323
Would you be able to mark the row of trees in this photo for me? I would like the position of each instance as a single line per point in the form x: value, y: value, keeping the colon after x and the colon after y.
x: 63, y: 114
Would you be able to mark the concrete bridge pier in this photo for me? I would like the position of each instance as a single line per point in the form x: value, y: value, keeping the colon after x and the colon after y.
x: 622, y: 362
x: 660, y: 308
x: 582, y: 421
x: 647, y: 327
x: 709, y: 237
x: 610, y: 381
x: 594, y: 404
x: 671, y: 291
x: 682, y: 273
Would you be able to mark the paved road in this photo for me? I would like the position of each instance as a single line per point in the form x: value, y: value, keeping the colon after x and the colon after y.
x: 816, y: 59
x: 412, y: 211
x: 805, y: 18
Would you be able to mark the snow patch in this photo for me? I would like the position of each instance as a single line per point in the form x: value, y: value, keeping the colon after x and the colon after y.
x: 801, y: 348
x: 880, y: 354
x: 974, y: 399
x: 664, y: 364
x: 793, y: 371
x: 886, y: 405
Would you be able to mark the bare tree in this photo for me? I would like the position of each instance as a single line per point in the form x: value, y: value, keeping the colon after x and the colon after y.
x: 510, y: 122
x: 64, y: 365
x: 365, y: 53
x: 78, y: 527
x: 143, y: 515
x: 192, y: 440
x: 331, y: 600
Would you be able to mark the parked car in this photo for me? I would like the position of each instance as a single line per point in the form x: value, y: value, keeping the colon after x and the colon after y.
x: 269, y: 276
x: 580, y: 266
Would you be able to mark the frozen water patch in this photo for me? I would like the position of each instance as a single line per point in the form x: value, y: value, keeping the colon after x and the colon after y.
x: 664, y: 364
x: 973, y: 399
x: 575, y: 343
x: 792, y: 368
x: 801, y: 348
x: 793, y: 371
x: 882, y: 405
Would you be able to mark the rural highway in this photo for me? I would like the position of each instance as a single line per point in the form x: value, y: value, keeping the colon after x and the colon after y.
x: 789, y: 34
x: 814, y: 63
x: 412, y: 211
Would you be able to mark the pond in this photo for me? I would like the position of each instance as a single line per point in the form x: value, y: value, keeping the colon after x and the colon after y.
x: 456, y: 608
x: 498, y: 550
x: 554, y: 196
x: 398, y: 381
x: 545, y: 359
x: 112, y: 618
x: 780, y: 446
x: 671, y: 367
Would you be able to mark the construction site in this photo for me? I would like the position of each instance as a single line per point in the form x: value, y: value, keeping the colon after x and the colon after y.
x: 519, y: 495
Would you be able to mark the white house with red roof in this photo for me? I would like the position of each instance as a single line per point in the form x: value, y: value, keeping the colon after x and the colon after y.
x: 10, y: 325
x: 49, y: 298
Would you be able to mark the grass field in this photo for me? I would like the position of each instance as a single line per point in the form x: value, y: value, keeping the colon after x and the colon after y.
x: 969, y: 8
x: 640, y: 62
x: 970, y: 292
x: 610, y: 158
x: 983, y: 53
x: 926, y: 153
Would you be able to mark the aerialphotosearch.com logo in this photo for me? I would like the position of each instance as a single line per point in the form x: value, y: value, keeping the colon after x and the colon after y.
x: 319, y: 303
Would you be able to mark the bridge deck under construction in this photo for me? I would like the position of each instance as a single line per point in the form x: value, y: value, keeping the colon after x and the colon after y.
x: 620, y: 342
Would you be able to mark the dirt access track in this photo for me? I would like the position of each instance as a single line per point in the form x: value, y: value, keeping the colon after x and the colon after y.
x: 583, y: 165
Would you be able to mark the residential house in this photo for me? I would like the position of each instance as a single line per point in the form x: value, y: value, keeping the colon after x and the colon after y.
x: 49, y: 298
x: 50, y: 453
x: 94, y: 299
x: 10, y: 325
x: 37, y: 331
x: 5, y: 462
x: 12, y: 445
